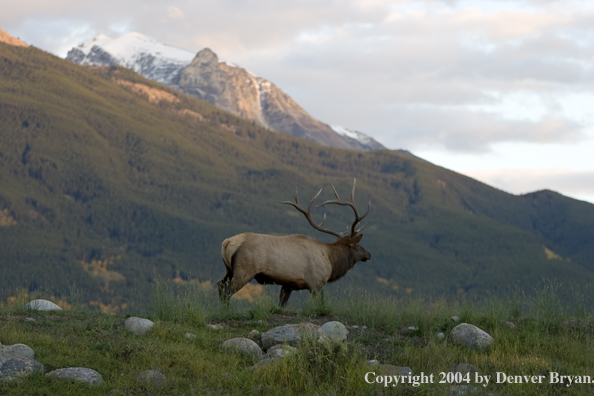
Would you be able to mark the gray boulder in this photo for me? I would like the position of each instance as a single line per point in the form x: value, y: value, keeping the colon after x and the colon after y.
x: 87, y: 375
x: 16, y: 350
x: 243, y: 345
x: 18, y: 367
x: 470, y: 336
x: 151, y: 379
x: 138, y: 326
x: 288, y: 334
x: 42, y: 305
x: 335, y: 330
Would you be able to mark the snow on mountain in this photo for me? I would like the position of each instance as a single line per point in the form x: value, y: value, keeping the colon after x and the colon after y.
x: 144, y: 55
x: 360, y: 137
x: 221, y: 83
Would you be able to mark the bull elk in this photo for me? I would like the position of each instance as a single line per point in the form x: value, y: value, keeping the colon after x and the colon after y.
x: 295, y: 262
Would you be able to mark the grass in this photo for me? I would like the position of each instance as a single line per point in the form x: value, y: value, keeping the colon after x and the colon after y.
x: 534, y: 334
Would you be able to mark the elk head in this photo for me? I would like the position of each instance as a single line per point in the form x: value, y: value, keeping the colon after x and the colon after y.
x: 349, y: 239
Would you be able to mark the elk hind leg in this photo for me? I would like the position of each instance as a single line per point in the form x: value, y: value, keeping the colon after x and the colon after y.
x: 285, y: 293
x: 224, y: 286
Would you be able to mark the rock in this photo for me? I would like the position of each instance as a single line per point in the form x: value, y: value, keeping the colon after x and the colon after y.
x: 471, y: 336
x: 16, y: 350
x: 190, y: 336
x: 511, y: 325
x: 243, y: 345
x: 354, y: 327
x: 464, y: 368
x: 42, y: 305
x: 335, y: 330
x: 441, y: 336
x: 256, y: 336
x: 455, y: 319
x: 373, y: 362
x: 389, y: 369
x: 215, y: 326
x: 281, y: 350
x: 138, y: 325
x: 16, y: 367
x: 151, y: 379
x: 32, y: 320
x: 264, y: 362
x: 459, y: 390
x: 290, y: 334
x: 81, y: 374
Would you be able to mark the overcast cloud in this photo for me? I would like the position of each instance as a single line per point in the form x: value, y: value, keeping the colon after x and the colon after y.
x: 445, y: 78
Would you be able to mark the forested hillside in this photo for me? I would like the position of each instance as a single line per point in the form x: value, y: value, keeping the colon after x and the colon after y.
x: 108, y: 180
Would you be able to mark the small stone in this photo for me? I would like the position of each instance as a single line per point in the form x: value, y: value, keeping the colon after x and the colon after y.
x: 389, y: 369
x: 81, y: 374
x: 335, y: 330
x: 30, y: 319
x: 255, y: 335
x: 373, y: 362
x: 42, y: 305
x: 281, y: 350
x: 364, y: 327
x: 455, y: 319
x: 464, y: 368
x: 151, y: 379
x: 19, y: 367
x: 215, y: 326
x: 290, y: 334
x: 471, y: 336
x: 16, y: 350
x: 441, y: 336
x: 354, y: 327
x: 460, y: 390
x: 243, y: 345
x: 138, y: 326
x: 190, y: 336
x: 511, y: 325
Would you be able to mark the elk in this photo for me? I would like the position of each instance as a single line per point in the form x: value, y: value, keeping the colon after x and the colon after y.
x: 295, y: 262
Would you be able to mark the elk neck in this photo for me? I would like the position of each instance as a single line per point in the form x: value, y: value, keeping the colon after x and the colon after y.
x: 342, y: 259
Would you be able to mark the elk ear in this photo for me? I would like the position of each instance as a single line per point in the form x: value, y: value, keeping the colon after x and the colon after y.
x: 356, y: 239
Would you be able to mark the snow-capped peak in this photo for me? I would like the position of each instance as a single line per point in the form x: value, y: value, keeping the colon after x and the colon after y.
x: 136, y: 51
x: 356, y: 135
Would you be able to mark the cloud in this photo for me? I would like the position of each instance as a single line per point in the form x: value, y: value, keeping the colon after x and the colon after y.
x: 410, y: 72
x: 577, y: 183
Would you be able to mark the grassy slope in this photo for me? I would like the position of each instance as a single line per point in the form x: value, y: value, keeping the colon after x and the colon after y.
x: 97, y: 177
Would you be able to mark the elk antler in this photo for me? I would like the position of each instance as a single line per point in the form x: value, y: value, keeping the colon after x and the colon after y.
x: 350, y: 203
x: 307, y: 214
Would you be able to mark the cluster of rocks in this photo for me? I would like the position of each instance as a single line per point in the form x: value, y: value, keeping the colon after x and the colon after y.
x: 18, y: 361
x: 280, y: 341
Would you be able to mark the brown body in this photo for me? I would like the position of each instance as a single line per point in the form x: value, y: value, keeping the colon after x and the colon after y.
x: 296, y: 262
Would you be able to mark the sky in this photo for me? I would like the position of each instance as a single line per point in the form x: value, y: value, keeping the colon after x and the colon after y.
x: 502, y: 91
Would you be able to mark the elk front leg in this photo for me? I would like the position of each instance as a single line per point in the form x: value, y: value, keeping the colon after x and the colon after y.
x: 285, y: 293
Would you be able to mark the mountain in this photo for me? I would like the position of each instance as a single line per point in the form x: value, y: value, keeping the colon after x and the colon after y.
x: 144, y: 55
x: 109, y: 180
x: 222, y: 84
x: 7, y: 38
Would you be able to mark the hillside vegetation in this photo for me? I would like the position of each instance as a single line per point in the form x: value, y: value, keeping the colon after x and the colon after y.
x: 108, y: 180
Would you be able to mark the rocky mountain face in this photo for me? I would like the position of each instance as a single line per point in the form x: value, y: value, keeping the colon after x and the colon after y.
x: 227, y: 86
